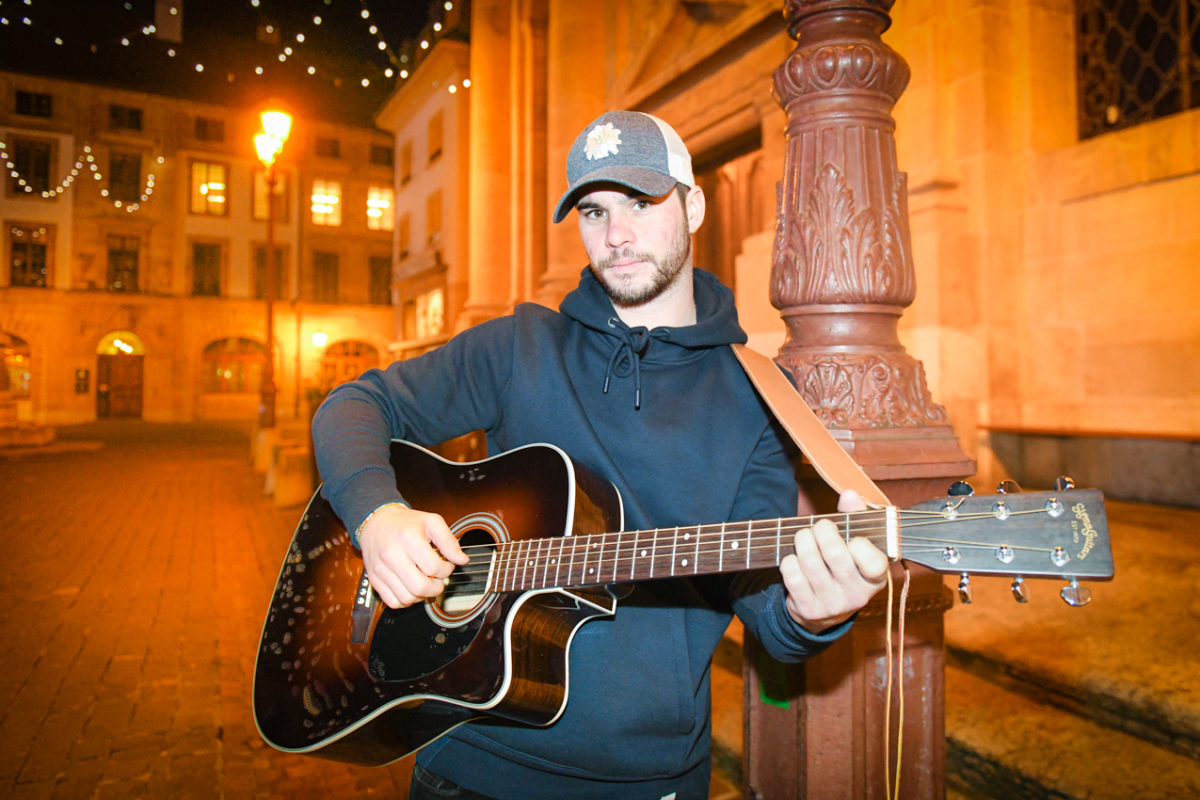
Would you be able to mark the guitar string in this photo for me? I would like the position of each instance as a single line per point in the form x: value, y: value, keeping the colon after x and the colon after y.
x: 510, y: 555
x: 509, y: 560
x: 760, y: 528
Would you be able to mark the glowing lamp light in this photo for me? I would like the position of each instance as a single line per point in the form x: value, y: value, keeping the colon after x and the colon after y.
x: 268, y: 147
x: 277, y: 124
x: 320, y: 338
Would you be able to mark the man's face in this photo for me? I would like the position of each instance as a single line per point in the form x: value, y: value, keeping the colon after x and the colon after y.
x: 637, y: 245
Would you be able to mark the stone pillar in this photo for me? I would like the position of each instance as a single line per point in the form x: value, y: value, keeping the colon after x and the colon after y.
x: 507, y: 155
x: 576, y: 85
x: 841, y: 276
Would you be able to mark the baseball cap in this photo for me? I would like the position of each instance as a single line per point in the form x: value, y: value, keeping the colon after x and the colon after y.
x: 628, y: 148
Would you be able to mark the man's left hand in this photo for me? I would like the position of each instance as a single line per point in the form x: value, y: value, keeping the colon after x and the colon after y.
x: 829, y: 579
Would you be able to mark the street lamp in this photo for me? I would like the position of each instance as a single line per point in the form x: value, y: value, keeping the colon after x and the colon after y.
x: 276, y: 126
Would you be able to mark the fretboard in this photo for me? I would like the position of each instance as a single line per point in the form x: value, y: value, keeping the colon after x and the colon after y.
x: 627, y: 556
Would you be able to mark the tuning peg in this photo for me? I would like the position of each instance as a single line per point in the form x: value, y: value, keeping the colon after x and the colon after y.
x: 965, y: 594
x: 1075, y: 595
x: 1020, y: 593
x: 1008, y: 487
x: 1064, y: 482
x: 960, y: 489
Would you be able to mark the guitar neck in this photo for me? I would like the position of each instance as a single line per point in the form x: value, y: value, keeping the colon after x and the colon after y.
x: 630, y: 556
x: 1037, y: 534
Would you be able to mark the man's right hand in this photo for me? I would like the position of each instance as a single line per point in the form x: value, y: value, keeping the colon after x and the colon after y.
x: 408, y: 554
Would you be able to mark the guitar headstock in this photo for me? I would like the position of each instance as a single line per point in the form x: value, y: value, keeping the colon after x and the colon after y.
x: 1032, y: 535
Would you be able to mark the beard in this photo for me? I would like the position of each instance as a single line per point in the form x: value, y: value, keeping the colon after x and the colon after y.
x: 632, y: 291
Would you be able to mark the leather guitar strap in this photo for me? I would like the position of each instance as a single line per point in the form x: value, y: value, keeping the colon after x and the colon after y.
x: 831, y: 461
x: 841, y: 472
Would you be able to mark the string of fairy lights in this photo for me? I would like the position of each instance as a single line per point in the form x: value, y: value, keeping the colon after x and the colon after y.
x: 399, y: 65
x: 39, y: 16
x: 85, y: 160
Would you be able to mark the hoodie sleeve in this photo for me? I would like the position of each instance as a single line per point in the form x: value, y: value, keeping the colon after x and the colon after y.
x: 768, y: 489
x: 445, y: 393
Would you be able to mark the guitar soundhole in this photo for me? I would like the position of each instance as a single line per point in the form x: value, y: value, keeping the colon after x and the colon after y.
x: 465, y: 595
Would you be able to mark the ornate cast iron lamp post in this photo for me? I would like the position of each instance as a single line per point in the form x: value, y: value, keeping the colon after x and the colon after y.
x: 841, y: 276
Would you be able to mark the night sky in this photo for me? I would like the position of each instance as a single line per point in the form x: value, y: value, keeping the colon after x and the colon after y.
x: 109, y: 42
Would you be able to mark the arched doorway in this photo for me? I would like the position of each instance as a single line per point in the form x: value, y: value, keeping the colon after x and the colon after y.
x: 119, y: 375
x: 346, y: 360
x: 15, y: 371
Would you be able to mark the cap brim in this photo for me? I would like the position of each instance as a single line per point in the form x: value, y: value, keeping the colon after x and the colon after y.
x: 639, y: 179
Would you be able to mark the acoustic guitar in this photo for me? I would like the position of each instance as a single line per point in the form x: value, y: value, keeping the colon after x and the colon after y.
x: 339, y: 675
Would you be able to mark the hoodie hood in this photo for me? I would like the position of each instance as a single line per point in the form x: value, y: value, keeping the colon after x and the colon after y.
x: 716, y: 326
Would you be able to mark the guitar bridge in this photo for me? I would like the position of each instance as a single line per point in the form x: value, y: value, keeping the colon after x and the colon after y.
x: 364, y: 605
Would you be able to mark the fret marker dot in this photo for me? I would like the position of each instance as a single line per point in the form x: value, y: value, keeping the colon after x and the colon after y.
x: 733, y: 546
x: 554, y: 561
x: 591, y: 570
x: 684, y: 562
x: 644, y: 553
x: 687, y: 536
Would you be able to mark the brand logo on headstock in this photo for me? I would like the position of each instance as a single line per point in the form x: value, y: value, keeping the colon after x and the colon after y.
x: 1083, y: 525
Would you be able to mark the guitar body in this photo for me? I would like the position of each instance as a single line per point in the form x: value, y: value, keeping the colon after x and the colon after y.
x: 428, y: 668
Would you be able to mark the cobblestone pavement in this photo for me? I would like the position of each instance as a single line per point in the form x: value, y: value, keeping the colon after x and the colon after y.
x: 139, y: 561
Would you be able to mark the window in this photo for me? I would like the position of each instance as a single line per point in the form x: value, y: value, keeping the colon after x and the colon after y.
x: 405, y: 163
x: 326, y: 203
x: 206, y: 269
x: 209, y: 130
x: 1136, y: 61
x: 435, y: 136
x: 325, y: 277
x: 233, y: 365
x: 425, y: 315
x: 34, y: 104
x: 125, y: 117
x: 30, y: 250
x: 381, y: 210
x: 345, y: 361
x: 209, y: 188
x: 281, y: 195
x: 402, y: 241
x: 260, y: 272
x: 31, y: 159
x: 328, y: 148
x: 380, y: 292
x: 433, y: 215
x: 125, y: 177
x: 381, y: 155
x: 123, y: 263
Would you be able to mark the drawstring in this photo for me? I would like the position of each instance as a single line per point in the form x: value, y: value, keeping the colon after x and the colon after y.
x: 626, y: 358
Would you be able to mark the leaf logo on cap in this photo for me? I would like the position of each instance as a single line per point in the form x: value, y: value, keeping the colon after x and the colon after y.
x: 602, y: 141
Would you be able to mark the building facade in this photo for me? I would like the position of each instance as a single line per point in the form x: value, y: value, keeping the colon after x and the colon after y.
x: 136, y: 248
x: 428, y: 117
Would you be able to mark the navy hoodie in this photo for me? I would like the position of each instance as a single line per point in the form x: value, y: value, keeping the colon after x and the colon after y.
x: 670, y: 418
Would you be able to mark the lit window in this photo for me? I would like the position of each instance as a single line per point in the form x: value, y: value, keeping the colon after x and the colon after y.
x: 381, y: 211
x: 326, y: 203
x: 209, y: 189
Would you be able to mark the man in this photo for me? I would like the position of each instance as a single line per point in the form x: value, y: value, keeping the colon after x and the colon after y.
x: 633, y: 378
